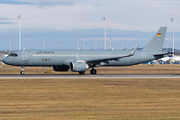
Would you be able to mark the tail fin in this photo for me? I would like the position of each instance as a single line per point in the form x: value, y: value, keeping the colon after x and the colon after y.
x: 156, y: 43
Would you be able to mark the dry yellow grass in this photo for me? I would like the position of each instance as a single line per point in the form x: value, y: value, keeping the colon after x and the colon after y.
x: 99, y: 99
x: 111, y: 99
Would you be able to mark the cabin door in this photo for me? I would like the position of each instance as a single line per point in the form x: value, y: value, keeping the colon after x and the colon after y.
x: 143, y: 55
x: 24, y: 55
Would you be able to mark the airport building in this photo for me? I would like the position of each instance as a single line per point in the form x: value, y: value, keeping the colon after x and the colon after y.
x: 2, y: 55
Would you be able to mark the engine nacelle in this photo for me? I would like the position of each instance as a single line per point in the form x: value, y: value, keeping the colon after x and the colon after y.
x: 61, y: 68
x: 78, y: 66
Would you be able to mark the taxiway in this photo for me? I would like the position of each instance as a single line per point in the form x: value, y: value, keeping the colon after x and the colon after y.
x: 72, y: 76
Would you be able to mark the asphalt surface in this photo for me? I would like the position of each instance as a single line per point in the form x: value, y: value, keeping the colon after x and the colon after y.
x: 72, y: 76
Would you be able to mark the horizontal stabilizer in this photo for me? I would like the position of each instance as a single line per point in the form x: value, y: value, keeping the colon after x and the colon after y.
x: 156, y: 55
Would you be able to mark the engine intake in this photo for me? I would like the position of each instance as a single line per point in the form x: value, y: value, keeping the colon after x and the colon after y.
x: 78, y: 66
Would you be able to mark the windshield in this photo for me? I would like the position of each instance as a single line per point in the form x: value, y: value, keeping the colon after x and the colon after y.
x: 13, y: 54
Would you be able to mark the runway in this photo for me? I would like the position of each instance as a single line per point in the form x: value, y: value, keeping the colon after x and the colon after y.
x: 75, y: 76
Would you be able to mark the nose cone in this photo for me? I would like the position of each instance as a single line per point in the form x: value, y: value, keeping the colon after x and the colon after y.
x: 5, y: 60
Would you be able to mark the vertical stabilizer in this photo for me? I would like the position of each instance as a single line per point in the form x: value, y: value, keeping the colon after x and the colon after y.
x: 156, y: 43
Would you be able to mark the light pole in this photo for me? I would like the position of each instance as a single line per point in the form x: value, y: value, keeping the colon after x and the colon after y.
x: 77, y: 43
x: 135, y: 42
x: 166, y: 45
x: 19, y: 17
x: 121, y: 44
x: 108, y: 44
x: 44, y: 43
x: 95, y: 45
x: 111, y: 46
x: 172, y: 19
x: 86, y: 46
x: 9, y: 45
x: 104, y: 18
x: 83, y: 44
x: 61, y: 46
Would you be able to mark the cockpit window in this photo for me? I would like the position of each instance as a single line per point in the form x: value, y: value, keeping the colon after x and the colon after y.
x: 13, y: 54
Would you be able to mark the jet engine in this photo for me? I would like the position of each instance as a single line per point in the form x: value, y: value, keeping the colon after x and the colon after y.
x: 60, y: 68
x: 78, y: 66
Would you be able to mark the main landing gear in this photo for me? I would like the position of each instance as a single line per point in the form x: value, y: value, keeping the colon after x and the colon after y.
x: 22, y: 72
x: 81, y: 73
x: 93, y: 71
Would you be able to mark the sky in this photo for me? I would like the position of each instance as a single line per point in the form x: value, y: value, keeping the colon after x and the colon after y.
x: 63, y: 21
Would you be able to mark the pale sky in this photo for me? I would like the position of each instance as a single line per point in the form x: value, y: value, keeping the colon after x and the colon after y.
x: 53, y: 15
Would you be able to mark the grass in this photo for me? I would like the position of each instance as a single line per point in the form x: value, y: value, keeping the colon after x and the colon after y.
x: 100, y: 99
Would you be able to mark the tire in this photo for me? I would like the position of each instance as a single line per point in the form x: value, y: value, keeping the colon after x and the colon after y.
x: 81, y: 73
x: 22, y: 72
x: 93, y: 71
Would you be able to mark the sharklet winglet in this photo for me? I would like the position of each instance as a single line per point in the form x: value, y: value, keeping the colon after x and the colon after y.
x: 132, y: 53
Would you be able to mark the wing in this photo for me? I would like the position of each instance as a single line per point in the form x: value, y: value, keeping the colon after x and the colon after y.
x: 94, y: 62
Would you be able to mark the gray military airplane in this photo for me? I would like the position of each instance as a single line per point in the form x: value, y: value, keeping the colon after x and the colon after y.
x: 81, y: 60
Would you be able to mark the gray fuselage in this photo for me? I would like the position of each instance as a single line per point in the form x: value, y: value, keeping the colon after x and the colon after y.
x: 64, y: 57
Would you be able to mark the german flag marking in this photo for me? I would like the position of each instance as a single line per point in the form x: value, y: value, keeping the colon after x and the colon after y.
x: 159, y: 34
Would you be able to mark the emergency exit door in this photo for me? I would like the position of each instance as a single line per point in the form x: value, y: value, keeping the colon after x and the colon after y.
x: 143, y: 55
x: 24, y: 55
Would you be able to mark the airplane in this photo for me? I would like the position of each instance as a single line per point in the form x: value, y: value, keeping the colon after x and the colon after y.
x: 81, y: 60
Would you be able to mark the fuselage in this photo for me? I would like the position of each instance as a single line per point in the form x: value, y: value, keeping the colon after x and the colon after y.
x: 64, y: 57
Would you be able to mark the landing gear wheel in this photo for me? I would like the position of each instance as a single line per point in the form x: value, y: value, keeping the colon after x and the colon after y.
x: 22, y: 72
x: 81, y: 73
x: 93, y: 71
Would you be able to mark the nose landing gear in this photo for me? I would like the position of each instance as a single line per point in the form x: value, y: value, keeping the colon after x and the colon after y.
x: 22, y: 72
